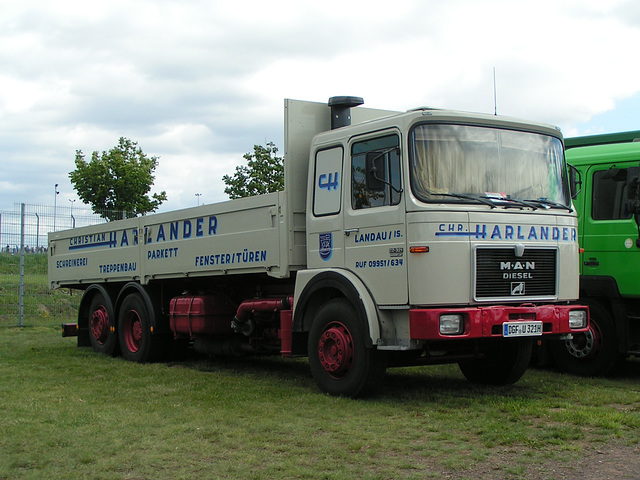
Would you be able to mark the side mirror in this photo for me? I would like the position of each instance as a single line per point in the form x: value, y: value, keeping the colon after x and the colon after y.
x: 376, y: 171
x: 633, y: 191
x: 575, y: 181
x: 633, y: 197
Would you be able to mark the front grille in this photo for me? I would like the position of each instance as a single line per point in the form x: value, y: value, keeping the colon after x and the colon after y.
x: 499, y: 273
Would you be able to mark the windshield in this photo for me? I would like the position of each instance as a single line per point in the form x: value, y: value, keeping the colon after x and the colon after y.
x: 462, y: 163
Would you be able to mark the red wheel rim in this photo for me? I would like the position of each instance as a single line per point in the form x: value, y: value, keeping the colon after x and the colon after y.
x: 132, y: 331
x: 99, y: 325
x: 335, y: 350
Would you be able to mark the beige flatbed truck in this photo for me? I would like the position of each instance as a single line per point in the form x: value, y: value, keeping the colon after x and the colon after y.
x: 401, y: 238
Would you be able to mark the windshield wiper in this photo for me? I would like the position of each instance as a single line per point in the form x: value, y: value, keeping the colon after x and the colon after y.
x: 544, y: 203
x: 505, y: 201
x: 468, y: 196
x: 517, y: 202
x: 494, y: 201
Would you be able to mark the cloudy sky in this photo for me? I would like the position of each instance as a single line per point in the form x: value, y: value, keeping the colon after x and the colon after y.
x: 198, y: 83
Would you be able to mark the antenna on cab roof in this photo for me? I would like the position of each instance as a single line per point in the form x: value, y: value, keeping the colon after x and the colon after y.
x: 495, y: 93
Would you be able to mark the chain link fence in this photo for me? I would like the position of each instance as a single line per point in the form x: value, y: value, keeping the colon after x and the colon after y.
x: 25, y: 297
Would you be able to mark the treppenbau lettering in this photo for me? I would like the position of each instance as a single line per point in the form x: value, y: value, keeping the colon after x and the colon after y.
x: 119, y: 267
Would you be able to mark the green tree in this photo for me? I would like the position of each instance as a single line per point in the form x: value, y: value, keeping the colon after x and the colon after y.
x: 117, y: 181
x: 264, y: 173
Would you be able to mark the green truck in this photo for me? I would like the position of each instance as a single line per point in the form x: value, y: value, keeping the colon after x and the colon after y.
x: 605, y: 174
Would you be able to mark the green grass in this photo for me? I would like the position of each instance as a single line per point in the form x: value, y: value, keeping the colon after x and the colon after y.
x: 42, y: 306
x: 68, y: 413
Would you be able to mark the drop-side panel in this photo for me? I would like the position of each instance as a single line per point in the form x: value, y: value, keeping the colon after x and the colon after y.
x: 239, y: 236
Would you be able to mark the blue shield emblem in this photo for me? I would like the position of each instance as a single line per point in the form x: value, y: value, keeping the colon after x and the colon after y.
x: 326, y: 246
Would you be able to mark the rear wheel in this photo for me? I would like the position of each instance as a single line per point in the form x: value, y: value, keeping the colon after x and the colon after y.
x: 340, y: 361
x: 103, y: 338
x: 592, y: 353
x: 137, y: 340
x: 504, y: 362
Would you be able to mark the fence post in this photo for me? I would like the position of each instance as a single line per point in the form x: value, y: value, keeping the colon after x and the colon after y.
x: 37, y: 231
x: 21, y: 292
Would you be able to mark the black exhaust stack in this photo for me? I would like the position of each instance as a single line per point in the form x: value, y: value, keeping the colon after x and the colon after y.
x: 341, y: 110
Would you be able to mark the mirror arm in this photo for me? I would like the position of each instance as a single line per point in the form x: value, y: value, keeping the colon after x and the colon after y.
x: 374, y: 172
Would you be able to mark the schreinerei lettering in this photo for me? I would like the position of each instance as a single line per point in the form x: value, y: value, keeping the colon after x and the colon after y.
x: 72, y: 263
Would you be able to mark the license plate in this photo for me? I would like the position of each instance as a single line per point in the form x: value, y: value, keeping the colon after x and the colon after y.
x: 522, y: 329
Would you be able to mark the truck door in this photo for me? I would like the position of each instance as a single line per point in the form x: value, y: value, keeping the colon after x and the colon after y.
x: 325, y: 237
x: 609, y: 230
x: 374, y: 221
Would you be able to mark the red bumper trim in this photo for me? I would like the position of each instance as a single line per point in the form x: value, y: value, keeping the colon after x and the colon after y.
x: 484, y: 322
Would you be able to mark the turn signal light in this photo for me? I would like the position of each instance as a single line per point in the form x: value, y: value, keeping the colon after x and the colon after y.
x: 421, y: 249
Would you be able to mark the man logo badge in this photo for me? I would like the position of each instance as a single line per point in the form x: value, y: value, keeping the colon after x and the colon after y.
x: 517, y: 288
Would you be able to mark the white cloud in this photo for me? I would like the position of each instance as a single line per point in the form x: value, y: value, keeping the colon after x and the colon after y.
x: 199, y: 83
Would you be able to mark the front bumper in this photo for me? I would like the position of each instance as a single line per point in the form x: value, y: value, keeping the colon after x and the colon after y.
x: 488, y: 321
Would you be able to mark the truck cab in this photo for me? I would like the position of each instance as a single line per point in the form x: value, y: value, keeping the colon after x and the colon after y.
x: 418, y: 203
x: 457, y: 230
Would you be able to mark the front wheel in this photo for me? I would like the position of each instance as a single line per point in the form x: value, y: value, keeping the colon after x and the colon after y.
x: 340, y: 361
x: 592, y: 353
x: 504, y: 362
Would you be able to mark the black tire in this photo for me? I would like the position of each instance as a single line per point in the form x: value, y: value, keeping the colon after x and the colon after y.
x: 102, y: 336
x: 589, y: 354
x: 137, y: 342
x: 504, y: 362
x: 340, y: 361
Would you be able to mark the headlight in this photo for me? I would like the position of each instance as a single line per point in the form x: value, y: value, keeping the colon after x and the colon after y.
x: 577, y: 319
x: 451, y: 324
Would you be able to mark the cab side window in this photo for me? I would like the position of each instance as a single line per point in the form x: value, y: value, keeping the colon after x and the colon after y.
x: 375, y: 172
x: 609, y: 200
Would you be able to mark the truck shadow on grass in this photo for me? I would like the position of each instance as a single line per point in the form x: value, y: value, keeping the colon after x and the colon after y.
x: 423, y: 383
x: 432, y: 384
x: 276, y: 370
x: 628, y: 369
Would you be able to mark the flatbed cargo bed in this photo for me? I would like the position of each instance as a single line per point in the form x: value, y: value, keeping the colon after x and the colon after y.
x: 252, y: 235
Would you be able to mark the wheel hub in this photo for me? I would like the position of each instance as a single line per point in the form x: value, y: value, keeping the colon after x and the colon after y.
x: 133, y: 331
x: 335, y: 350
x: 585, y: 345
x: 100, y: 325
